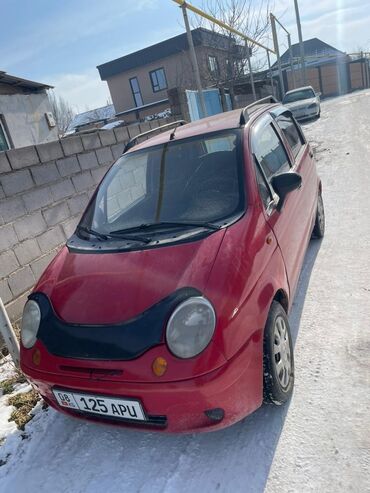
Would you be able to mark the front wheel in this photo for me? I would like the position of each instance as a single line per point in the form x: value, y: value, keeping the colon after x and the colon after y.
x: 319, y: 228
x: 278, y: 360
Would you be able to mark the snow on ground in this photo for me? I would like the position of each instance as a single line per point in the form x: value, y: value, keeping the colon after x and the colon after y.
x: 6, y: 427
x: 319, y: 442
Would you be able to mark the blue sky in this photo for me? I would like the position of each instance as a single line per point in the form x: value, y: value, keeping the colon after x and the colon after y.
x: 62, y: 42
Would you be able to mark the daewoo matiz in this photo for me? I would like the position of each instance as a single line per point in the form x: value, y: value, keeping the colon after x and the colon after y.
x: 167, y: 308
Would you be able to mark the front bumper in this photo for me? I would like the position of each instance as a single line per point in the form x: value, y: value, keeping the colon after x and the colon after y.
x: 235, y: 387
x: 303, y: 114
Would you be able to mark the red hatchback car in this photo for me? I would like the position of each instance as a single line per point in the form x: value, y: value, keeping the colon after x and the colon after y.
x: 167, y: 308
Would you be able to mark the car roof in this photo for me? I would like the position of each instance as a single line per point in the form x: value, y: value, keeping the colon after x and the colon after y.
x: 299, y: 89
x: 222, y: 121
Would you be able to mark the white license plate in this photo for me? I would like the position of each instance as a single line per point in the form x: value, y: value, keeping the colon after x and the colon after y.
x: 97, y: 404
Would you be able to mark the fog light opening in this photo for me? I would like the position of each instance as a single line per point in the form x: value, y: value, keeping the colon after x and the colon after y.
x: 216, y: 414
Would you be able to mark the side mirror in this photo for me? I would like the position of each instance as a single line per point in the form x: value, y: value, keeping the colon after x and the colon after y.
x: 318, y: 94
x: 285, y: 183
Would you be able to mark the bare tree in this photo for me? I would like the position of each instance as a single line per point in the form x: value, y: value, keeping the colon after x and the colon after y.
x: 246, y: 16
x: 62, y: 111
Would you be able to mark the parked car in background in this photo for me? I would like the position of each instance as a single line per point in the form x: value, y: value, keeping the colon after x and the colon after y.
x: 168, y: 307
x: 303, y: 102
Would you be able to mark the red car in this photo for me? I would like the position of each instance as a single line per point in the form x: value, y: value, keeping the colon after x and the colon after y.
x: 167, y: 308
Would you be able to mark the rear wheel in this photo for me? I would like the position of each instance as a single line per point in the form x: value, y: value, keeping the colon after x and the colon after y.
x: 319, y: 228
x: 278, y: 360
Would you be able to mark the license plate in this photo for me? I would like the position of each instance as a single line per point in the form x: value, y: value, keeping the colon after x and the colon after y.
x: 97, y: 404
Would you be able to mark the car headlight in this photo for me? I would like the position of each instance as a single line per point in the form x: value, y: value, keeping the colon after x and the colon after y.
x: 191, y: 327
x: 30, y: 323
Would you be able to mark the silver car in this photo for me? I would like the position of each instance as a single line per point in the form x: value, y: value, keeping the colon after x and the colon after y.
x: 303, y: 102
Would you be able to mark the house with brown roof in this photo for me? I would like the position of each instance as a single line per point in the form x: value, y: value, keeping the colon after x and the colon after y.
x: 139, y: 82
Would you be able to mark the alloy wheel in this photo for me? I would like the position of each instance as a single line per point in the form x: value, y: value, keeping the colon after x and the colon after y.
x: 282, y: 353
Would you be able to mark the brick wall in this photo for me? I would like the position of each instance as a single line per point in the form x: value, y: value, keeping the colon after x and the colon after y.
x: 43, y: 191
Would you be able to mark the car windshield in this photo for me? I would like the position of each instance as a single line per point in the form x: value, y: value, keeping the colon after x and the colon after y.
x: 298, y: 95
x: 195, y: 180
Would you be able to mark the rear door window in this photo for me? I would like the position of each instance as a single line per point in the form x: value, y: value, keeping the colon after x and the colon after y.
x: 291, y: 133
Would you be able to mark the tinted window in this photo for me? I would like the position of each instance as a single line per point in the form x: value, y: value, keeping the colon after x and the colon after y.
x: 291, y: 132
x: 270, y: 152
x: 197, y: 179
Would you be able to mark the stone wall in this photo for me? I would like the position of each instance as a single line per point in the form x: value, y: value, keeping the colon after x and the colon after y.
x: 43, y: 191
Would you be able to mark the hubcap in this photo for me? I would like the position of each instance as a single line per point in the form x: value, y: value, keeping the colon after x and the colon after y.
x: 282, y: 354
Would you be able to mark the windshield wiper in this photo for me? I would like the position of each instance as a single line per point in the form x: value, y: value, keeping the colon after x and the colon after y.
x: 90, y: 231
x: 168, y: 224
x: 116, y: 234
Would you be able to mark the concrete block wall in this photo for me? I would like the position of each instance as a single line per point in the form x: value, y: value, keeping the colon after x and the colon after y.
x: 43, y: 191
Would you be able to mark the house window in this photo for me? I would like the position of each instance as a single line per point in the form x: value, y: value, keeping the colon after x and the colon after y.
x: 228, y: 67
x: 158, y: 79
x: 4, y: 140
x: 135, y: 88
x: 213, y: 65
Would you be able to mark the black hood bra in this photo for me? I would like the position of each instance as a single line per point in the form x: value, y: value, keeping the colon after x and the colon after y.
x: 123, y: 341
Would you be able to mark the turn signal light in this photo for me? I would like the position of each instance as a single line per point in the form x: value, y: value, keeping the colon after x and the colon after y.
x: 36, y: 357
x: 159, y: 366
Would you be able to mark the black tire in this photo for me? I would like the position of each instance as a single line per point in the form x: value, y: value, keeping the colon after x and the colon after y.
x: 278, y: 378
x: 319, y: 228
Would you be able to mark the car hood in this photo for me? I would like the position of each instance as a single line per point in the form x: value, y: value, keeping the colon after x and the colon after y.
x: 109, y: 288
x: 302, y: 103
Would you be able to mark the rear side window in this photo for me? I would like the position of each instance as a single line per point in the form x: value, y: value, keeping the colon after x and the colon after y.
x: 270, y: 152
x: 291, y: 133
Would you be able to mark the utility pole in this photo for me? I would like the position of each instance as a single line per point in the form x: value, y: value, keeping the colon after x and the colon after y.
x: 291, y: 60
x: 194, y: 61
x: 276, y: 47
x: 248, y: 51
x: 301, y: 48
x: 271, y: 77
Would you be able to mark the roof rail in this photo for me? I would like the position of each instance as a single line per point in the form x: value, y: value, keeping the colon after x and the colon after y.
x: 244, y: 116
x: 133, y: 141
